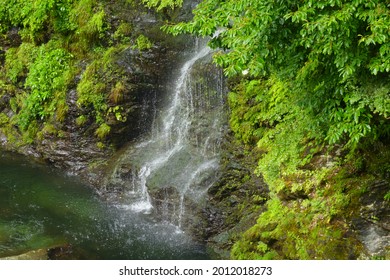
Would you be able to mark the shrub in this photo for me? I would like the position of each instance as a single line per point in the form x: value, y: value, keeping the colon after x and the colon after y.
x: 47, y: 82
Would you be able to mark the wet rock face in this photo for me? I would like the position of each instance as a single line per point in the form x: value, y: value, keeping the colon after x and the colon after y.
x: 146, y: 74
x: 145, y: 81
x: 231, y: 209
x: 373, y: 225
x: 4, y: 101
x: 76, y: 148
x: 180, y: 168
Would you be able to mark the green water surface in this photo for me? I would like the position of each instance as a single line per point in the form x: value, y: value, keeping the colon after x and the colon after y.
x: 41, y: 208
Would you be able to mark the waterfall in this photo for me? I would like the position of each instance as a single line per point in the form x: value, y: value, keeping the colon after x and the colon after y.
x: 179, y: 159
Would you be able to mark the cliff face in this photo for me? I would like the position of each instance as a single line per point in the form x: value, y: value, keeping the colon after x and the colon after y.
x: 111, y: 74
x: 345, y: 216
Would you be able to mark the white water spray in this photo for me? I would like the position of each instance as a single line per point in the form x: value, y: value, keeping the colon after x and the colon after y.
x: 181, y: 155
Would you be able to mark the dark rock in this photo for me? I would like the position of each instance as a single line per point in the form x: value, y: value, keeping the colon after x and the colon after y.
x: 231, y: 209
x: 60, y: 253
x: 4, y: 101
x: 373, y: 223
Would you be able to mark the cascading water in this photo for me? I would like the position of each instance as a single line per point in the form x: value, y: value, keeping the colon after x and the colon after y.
x: 175, y: 165
x: 156, y: 186
x: 44, y: 213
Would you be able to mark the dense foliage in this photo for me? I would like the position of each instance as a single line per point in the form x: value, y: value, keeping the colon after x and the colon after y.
x: 51, y: 47
x: 311, y: 83
x: 328, y: 54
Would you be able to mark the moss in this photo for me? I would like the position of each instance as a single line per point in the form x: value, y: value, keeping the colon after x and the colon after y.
x: 14, y: 104
x: 18, y: 60
x: 101, y: 86
x: 103, y: 130
x: 317, y: 226
x: 100, y: 145
x: 29, y: 135
x: 81, y: 120
x: 116, y: 94
x: 3, y: 119
x: 239, y: 194
x: 123, y: 32
x: 61, y: 134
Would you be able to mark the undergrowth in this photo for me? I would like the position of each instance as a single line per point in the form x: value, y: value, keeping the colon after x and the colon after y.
x: 62, y: 46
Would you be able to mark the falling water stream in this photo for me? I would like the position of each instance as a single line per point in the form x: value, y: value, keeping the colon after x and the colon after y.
x: 179, y: 159
x: 161, y: 177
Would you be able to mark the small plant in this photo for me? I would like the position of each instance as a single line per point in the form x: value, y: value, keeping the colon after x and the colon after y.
x: 100, y: 145
x: 116, y: 94
x: 47, y: 82
x: 18, y: 60
x: 142, y: 43
x: 61, y: 109
x: 92, y: 92
x: 161, y: 4
x: 118, y: 112
x: 387, y: 196
x: 103, y: 130
x: 48, y: 129
x: 81, y: 120
x: 3, y: 119
x: 123, y: 32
